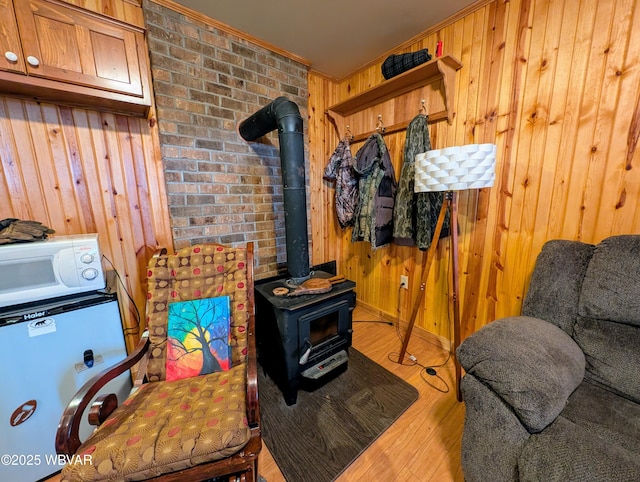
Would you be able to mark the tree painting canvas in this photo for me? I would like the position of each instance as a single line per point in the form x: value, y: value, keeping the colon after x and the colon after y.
x: 198, y: 337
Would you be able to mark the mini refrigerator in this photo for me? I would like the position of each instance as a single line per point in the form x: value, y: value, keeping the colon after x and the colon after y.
x: 48, y: 350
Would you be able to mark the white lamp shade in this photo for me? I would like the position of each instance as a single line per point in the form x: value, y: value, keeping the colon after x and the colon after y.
x: 472, y: 166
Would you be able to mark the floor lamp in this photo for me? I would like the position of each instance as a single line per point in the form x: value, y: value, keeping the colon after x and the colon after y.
x: 449, y: 170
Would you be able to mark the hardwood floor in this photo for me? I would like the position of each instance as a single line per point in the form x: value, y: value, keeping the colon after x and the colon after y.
x: 424, y: 443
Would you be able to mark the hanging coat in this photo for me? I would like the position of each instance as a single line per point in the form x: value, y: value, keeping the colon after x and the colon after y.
x: 377, y: 188
x: 416, y: 214
x: 340, y: 170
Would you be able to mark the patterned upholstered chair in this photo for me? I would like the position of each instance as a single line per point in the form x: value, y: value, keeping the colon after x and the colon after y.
x: 194, y: 428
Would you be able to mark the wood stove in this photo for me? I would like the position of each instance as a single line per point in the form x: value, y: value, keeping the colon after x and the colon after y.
x: 303, y: 341
x: 300, y: 338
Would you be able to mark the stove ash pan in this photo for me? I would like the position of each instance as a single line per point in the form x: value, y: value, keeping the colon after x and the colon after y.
x: 303, y: 341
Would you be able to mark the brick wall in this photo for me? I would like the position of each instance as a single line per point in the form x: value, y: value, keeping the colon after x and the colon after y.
x: 206, y: 81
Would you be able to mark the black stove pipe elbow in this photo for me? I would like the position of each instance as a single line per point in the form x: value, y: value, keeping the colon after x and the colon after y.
x: 284, y: 115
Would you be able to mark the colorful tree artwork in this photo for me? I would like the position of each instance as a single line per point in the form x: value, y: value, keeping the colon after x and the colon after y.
x: 198, y: 337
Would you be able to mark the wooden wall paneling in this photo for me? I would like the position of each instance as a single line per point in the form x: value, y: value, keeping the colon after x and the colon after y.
x: 134, y: 180
x: 602, y: 113
x: 435, y: 315
x: 97, y: 200
x: 38, y: 169
x: 411, y: 268
x: 151, y: 191
x: 389, y: 262
x: 322, y: 145
x: 585, y: 105
x: 80, y: 171
x: 32, y: 196
x: 576, y: 35
x: 483, y: 130
x: 70, y: 183
x: 627, y: 121
x: 579, y: 201
x: 97, y: 164
x: 469, y: 38
x: 480, y: 302
x: 524, y: 88
x: 510, y: 90
x: 77, y: 171
x: 458, y: 44
x: 453, y: 38
x: 13, y: 193
x: 98, y: 161
x: 45, y: 149
x: 476, y: 32
x: 530, y: 132
x: 125, y: 10
x: 558, y: 53
x: 510, y: 23
x: 469, y: 83
x: 482, y: 305
x: 509, y: 29
x: 601, y: 106
x: 127, y: 191
x: 137, y: 249
x: 128, y: 11
x: 125, y: 219
x: 456, y: 133
x: 153, y: 165
x: 612, y: 117
x: 97, y: 195
x: 542, y: 162
x: 320, y: 200
x: 555, y: 86
x: 131, y: 131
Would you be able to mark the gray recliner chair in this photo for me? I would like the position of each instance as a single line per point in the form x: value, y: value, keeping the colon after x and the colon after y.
x: 554, y: 394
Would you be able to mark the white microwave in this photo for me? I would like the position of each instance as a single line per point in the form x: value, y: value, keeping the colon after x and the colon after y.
x: 57, y: 266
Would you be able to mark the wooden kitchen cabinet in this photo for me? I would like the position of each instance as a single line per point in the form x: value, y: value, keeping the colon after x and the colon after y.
x: 61, y: 53
x: 12, y: 58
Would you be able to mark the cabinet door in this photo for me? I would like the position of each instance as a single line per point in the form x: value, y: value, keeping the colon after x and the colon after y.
x: 64, y: 43
x: 10, y: 49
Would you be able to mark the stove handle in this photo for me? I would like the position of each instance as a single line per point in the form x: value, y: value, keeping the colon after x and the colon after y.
x: 307, y: 352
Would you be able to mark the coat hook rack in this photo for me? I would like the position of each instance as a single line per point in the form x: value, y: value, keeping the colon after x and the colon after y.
x: 380, y: 126
x: 349, y: 134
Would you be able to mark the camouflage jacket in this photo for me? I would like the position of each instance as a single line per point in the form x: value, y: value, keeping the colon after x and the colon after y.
x: 340, y: 170
x: 415, y: 214
x: 373, y: 220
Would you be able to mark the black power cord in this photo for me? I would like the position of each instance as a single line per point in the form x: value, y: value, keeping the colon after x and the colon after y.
x: 429, y: 370
x: 127, y: 331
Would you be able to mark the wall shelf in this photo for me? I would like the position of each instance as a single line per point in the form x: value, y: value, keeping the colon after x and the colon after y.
x: 443, y: 68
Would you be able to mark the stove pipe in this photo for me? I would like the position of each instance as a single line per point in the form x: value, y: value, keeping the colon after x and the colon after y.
x: 284, y: 115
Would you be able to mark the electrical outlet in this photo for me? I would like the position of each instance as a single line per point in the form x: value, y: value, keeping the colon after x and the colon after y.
x: 404, y: 282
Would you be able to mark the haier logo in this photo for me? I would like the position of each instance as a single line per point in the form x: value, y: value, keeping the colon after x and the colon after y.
x: 33, y: 316
x: 41, y: 326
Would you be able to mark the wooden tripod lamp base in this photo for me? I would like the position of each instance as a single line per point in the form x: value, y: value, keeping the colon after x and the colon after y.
x: 449, y: 170
x: 449, y: 204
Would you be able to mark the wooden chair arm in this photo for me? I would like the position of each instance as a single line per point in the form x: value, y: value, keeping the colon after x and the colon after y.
x: 103, y: 406
x: 67, y: 436
x: 253, y: 406
x: 140, y: 377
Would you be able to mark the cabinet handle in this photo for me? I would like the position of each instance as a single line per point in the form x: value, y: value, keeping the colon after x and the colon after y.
x: 11, y: 57
x: 33, y: 61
